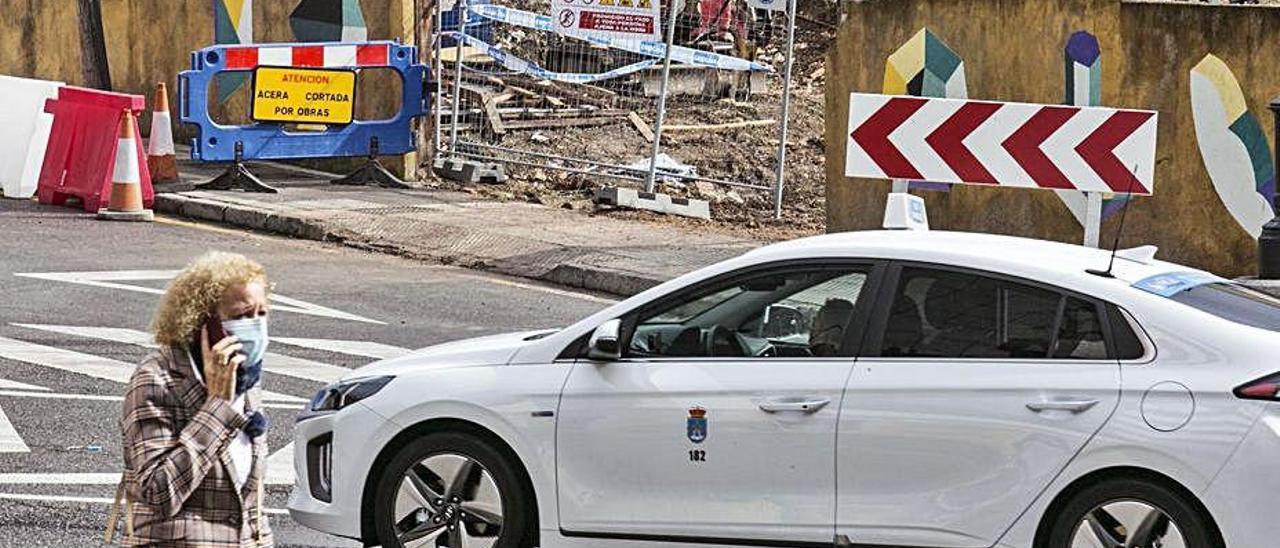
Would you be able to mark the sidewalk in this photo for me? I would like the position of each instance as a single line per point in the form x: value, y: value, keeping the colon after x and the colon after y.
x: 565, y: 247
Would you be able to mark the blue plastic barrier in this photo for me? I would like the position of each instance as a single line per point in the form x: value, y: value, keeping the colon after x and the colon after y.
x: 270, y: 141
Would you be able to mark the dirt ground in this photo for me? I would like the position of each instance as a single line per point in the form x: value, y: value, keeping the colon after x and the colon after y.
x: 739, y: 154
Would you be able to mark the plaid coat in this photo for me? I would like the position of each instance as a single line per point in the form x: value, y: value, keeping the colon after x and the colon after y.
x: 178, y: 472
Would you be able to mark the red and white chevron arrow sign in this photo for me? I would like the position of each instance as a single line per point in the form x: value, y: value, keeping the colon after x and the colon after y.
x: 1092, y: 149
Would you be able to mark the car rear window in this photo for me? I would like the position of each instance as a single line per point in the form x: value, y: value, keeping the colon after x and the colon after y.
x: 1233, y: 302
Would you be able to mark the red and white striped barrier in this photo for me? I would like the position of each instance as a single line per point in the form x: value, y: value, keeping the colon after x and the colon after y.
x: 315, y: 56
x: 1091, y: 149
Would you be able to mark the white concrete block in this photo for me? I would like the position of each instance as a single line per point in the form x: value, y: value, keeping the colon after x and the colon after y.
x: 24, y: 133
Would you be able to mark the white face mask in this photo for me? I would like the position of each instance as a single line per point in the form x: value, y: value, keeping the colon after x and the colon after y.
x: 252, y: 333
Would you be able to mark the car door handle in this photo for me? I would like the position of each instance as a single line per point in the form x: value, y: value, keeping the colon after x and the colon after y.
x: 801, y: 405
x: 1074, y: 406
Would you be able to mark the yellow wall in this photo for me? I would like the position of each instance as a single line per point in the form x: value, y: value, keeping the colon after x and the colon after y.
x: 1012, y: 51
x: 150, y: 40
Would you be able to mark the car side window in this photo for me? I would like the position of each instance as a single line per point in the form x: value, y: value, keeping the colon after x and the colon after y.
x: 790, y: 314
x: 947, y: 314
x: 1080, y: 335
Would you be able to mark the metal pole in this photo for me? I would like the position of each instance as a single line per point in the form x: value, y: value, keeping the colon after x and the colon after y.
x: 650, y: 181
x: 457, y: 74
x: 1269, y: 240
x: 786, y: 110
x: 1092, y: 219
x: 437, y: 74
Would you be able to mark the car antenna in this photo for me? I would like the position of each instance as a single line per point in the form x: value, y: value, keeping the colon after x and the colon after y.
x: 1115, y: 244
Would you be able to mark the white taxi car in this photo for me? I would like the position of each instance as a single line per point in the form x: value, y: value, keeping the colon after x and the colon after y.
x: 896, y: 388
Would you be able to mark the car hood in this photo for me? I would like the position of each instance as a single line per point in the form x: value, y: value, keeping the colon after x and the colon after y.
x: 489, y: 350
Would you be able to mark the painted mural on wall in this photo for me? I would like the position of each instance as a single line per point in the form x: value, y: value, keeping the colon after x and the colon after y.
x: 328, y: 21
x: 232, y: 24
x: 1082, y: 78
x: 925, y: 66
x: 1234, y: 149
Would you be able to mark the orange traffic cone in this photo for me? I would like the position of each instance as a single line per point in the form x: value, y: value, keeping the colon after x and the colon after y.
x: 126, y: 181
x: 160, y: 154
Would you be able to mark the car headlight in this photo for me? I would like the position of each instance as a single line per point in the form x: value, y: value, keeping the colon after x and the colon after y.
x: 339, y: 395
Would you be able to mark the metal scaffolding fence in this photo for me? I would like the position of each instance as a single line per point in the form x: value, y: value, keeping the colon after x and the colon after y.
x: 708, y: 107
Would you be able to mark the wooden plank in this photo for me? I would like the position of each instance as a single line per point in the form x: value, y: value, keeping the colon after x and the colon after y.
x: 531, y: 113
x: 720, y: 127
x: 492, y: 115
x: 559, y: 122
x: 641, y: 126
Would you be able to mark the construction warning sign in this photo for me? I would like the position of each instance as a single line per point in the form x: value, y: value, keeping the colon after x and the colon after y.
x: 311, y: 96
x: 638, y: 19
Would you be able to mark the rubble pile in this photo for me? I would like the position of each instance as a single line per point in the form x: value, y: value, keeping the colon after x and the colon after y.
x: 731, y: 138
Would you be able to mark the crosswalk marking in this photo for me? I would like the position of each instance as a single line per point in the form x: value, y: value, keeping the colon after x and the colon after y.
x: 279, y: 472
x: 84, y: 478
x: 66, y: 360
x: 274, y: 363
x: 87, y: 364
x: 114, y: 334
x: 6, y: 384
x: 303, y: 369
x: 280, y: 466
x: 112, y: 279
x: 368, y: 349
x: 10, y: 440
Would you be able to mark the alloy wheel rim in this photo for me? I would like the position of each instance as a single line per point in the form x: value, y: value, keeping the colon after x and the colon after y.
x: 448, y: 500
x: 1127, y: 524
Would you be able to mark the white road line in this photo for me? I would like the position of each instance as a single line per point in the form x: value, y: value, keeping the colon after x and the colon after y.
x: 95, y: 397
x: 111, y: 279
x: 87, y: 364
x: 92, y: 500
x: 304, y: 307
x: 275, y: 363
x: 66, y: 360
x: 6, y: 384
x: 279, y: 472
x: 59, y: 396
x: 280, y: 466
x: 368, y: 349
x: 113, y: 334
x: 91, y: 478
x: 303, y: 369
x: 10, y: 440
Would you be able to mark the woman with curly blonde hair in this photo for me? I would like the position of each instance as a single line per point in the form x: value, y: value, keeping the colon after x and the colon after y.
x: 194, y: 443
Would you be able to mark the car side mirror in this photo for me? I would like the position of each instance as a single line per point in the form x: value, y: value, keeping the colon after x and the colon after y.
x: 604, y: 344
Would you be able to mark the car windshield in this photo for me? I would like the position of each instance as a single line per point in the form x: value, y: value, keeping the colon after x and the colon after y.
x: 696, y: 307
x: 1233, y: 302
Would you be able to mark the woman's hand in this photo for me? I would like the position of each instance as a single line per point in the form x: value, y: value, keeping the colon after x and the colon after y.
x: 220, y: 362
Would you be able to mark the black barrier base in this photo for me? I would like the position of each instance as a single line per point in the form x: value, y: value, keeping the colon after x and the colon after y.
x: 238, y: 177
x: 372, y: 172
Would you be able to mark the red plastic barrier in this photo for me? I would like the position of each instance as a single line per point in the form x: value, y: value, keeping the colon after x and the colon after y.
x: 81, y: 155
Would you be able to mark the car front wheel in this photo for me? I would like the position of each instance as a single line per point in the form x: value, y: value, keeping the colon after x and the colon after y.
x: 450, y: 489
x: 1131, y: 513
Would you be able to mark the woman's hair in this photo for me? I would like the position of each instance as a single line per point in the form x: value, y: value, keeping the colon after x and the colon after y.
x: 194, y: 294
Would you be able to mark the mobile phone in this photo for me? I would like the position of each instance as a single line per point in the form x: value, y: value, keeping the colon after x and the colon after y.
x: 213, y: 327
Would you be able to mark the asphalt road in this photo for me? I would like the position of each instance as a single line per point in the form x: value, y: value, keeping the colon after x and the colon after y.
x: 78, y: 294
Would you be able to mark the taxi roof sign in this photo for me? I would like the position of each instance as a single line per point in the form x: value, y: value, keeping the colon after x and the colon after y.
x: 903, y: 211
x: 307, y: 96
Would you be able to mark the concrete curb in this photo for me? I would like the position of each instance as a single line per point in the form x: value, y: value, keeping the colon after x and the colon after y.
x: 285, y: 223
x: 598, y: 279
